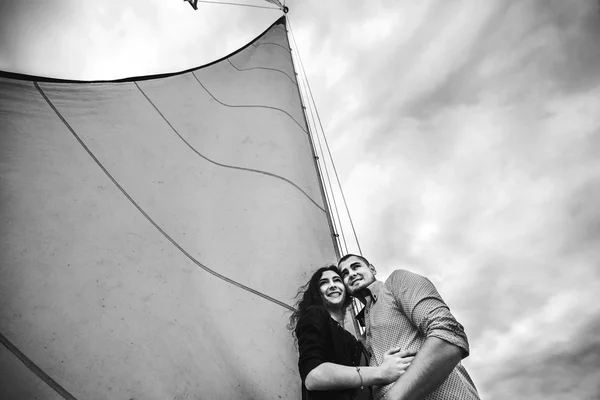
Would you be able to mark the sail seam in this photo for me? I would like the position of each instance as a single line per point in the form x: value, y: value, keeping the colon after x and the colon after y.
x: 247, y: 105
x: 226, y: 165
x: 165, y: 234
x: 35, y: 369
x: 274, y: 44
x: 269, y: 69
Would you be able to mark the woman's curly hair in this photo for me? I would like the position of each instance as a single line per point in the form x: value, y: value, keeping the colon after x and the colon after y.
x: 310, y: 295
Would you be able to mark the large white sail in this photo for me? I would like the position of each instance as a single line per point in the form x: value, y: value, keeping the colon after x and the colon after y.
x: 154, y: 231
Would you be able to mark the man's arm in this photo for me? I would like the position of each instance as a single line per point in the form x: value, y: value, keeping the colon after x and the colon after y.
x: 318, y: 374
x: 429, y: 369
x: 445, y: 340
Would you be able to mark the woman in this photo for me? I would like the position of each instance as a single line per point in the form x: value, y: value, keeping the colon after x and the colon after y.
x: 332, y: 363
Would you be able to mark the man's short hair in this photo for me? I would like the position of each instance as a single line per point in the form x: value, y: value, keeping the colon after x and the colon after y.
x: 347, y: 256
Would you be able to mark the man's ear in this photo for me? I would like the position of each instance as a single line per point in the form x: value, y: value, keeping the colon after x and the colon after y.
x: 372, y: 267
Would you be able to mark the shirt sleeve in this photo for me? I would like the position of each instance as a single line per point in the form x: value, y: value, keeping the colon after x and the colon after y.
x: 311, y: 333
x: 420, y: 301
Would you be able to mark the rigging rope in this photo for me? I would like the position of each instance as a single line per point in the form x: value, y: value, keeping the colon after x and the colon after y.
x: 335, y: 206
x: 338, y: 232
x: 237, y: 4
x: 334, y: 227
x: 326, y: 142
x: 33, y: 367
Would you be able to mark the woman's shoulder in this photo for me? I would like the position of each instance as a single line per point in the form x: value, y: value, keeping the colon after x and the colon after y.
x: 314, y: 314
x: 315, y: 311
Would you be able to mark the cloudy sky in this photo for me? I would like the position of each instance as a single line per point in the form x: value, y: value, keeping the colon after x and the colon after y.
x: 466, y: 135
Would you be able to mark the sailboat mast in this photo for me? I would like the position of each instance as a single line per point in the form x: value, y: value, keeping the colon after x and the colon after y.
x: 334, y: 234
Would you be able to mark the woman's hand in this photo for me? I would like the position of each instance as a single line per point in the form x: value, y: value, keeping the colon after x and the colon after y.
x: 395, y: 362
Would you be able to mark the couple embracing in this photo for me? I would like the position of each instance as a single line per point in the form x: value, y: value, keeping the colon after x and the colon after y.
x: 412, y: 347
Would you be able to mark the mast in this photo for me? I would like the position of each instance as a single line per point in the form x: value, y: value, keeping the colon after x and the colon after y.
x: 334, y: 234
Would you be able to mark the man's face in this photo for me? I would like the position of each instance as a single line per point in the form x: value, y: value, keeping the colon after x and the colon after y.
x: 356, y: 274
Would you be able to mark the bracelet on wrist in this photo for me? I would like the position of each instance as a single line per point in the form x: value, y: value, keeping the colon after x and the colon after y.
x: 360, y: 376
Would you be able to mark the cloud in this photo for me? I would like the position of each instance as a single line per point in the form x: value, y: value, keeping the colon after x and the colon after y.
x: 569, y: 370
x: 468, y: 145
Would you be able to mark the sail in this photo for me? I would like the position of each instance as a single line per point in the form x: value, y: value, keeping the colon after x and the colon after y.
x: 155, y: 231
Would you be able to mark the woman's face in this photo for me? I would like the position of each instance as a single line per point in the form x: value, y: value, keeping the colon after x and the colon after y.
x: 332, y: 290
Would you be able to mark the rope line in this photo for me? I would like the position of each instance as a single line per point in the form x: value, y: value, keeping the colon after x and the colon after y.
x: 269, y: 69
x: 332, y: 223
x: 326, y: 195
x: 35, y: 369
x: 339, y: 230
x: 226, y: 165
x: 237, y: 4
x: 249, y: 105
x: 276, y: 2
x: 335, y: 206
x: 328, y: 149
x: 165, y: 234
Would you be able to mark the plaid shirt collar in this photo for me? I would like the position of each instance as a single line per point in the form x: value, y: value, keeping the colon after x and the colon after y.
x: 373, y: 292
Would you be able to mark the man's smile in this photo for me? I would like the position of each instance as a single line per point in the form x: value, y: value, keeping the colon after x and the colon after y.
x: 354, y: 280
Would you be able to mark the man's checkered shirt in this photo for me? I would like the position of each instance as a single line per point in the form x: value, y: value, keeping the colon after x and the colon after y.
x: 406, y: 310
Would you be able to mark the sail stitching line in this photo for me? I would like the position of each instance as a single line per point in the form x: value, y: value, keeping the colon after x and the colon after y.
x: 35, y: 369
x: 225, y: 165
x: 247, y: 106
x: 279, y: 27
x: 165, y: 234
x: 274, y: 44
x: 269, y: 69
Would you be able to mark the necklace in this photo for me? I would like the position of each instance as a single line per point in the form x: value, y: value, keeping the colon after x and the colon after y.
x: 342, y: 323
x: 339, y: 321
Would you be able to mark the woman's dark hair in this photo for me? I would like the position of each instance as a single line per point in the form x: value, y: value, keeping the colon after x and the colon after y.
x: 310, y: 295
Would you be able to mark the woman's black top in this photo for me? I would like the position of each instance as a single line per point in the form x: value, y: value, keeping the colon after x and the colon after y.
x: 321, y: 339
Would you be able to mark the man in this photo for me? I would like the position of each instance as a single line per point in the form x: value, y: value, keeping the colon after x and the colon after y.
x: 408, y: 311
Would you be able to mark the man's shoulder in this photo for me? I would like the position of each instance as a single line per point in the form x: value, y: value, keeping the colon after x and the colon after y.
x: 405, y: 278
x: 402, y: 274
